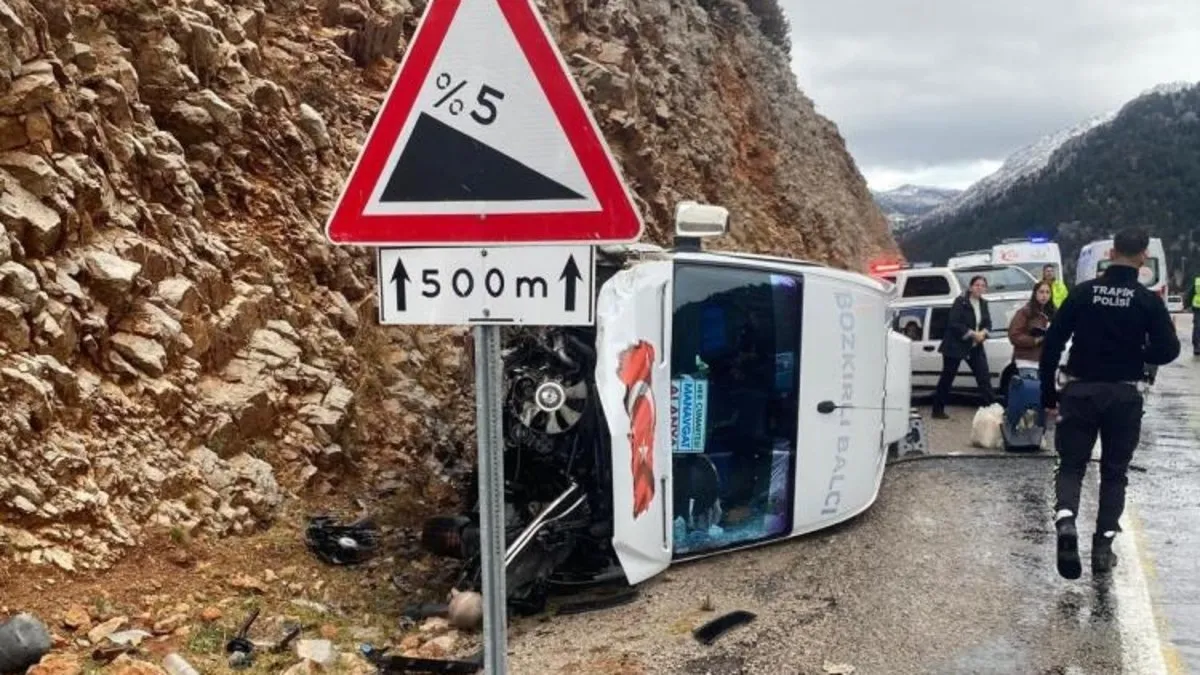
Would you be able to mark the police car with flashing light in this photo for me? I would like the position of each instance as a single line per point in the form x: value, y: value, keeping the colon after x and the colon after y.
x: 721, y: 401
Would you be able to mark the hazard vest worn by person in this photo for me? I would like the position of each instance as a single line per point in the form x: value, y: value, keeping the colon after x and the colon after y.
x: 1058, y: 292
x: 1196, y: 293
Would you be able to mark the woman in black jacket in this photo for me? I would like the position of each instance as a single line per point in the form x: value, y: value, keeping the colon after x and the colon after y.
x: 966, y: 329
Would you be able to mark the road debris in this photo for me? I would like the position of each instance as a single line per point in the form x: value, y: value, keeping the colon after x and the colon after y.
x: 342, y: 544
x: 131, y: 638
x: 241, y: 649
x: 714, y: 629
x: 387, y: 663
x: 599, y: 602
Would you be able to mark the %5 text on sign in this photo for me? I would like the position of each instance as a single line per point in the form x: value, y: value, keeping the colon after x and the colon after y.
x: 486, y: 100
x: 530, y: 285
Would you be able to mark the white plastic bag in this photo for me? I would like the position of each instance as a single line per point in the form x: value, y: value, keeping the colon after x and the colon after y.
x: 985, y: 428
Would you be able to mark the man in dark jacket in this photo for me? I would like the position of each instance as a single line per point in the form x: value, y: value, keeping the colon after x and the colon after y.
x: 1118, y: 326
x: 966, y: 329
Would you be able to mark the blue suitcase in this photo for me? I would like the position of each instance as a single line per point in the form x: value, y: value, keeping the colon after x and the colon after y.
x: 1024, y: 418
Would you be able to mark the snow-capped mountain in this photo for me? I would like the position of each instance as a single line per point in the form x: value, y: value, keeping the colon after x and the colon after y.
x: 1137, y: 167
x: 1027, y: 162
x: 1169, y: 88
x: 907, y: 202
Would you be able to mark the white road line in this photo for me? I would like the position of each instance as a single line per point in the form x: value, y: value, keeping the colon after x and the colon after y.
x: 1141, y: 644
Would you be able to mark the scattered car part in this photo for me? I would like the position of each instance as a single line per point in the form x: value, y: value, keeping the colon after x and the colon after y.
x: 557, y: 472
x: 541, y: 521
x: 282, y: 645
x: 598, y: 603
x: 239, y: 647
x: 424, y: 610
x: 116, y: 644
x: 388, y: 663
x: 23, y: 642
x: 341, y: 544
x: 714, y: 629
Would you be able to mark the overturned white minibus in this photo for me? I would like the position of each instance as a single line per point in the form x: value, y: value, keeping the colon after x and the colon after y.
x: 722, y: 401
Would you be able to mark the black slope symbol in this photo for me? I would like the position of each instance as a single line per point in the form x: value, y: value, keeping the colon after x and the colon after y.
x: 442, y: 164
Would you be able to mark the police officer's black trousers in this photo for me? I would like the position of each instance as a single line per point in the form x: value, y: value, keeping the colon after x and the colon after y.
x: 1113, y: 411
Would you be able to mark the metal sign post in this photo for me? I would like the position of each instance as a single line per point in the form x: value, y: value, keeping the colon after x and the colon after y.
x: 490, y: 429
x: 485, y: 184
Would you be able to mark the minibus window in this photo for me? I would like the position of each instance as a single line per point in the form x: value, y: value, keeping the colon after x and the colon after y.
x: 735, y: 372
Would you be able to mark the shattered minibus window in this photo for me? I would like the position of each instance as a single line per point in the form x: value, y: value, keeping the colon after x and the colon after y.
x: 734, y: 405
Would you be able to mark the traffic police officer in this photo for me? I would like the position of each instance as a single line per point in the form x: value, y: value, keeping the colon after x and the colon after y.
x: 1193, y: 296
x: 1118, y: 327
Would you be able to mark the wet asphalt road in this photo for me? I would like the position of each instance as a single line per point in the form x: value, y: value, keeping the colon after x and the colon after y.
x: 951, y: 571
x: 1166, y: 504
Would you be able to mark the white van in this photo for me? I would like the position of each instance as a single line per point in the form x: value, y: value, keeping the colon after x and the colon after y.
x: 1031, y: 254
x: 923, y: 320
x: 721, y: 401
x: 969, y: 258
x: 926, y: 282
x: 1094, y: 258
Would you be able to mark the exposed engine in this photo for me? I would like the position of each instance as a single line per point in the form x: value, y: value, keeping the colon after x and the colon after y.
x: 557, y: 473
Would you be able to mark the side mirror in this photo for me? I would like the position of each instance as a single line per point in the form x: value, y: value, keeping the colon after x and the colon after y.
x: 693, y: 220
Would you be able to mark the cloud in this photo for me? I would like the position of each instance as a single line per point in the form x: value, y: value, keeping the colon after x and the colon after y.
x: 927, y: 85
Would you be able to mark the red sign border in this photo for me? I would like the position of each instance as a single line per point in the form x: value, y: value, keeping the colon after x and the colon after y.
x: 617, y: 221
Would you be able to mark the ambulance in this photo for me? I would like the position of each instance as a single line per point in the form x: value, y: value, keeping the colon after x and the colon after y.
x: 721, y: 401
x: 1094, y: 258
x: 1032, y: 254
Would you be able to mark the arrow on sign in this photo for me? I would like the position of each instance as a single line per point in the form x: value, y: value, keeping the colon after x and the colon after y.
x: 571, y: 275
x: 400, y: 278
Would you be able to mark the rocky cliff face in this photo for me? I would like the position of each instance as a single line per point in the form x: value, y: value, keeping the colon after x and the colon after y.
x: 179, y: 345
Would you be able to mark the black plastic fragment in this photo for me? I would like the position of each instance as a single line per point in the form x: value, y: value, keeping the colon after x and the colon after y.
x: 596, y: 604
x: 387, y: 663
x: 341, y: 544
x: 712, y: 630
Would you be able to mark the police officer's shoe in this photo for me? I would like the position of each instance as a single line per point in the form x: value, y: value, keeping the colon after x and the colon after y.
x: 1068, y: 548
x: 940, y: 414
x: 1103, y: 558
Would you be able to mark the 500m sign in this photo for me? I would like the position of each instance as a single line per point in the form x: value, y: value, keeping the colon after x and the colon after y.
x: 537, y: 285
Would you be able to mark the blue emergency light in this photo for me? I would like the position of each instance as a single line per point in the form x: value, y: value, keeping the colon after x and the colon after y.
x: 1039, y: 239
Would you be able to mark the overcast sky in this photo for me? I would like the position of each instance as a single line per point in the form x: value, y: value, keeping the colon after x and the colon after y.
x: 939, y: 92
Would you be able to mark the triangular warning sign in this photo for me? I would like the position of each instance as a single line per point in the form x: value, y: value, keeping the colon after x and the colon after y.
x: 484, y: 139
